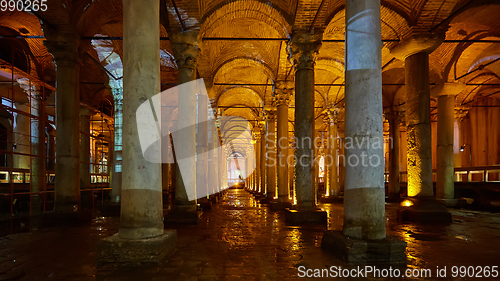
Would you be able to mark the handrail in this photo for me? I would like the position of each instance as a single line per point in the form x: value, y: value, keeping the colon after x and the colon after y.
x: 461, y: 174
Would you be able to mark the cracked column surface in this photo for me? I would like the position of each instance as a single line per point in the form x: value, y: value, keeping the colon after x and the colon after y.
x: 305, y: 48
x: 141, y: 202
x: 364, y: 205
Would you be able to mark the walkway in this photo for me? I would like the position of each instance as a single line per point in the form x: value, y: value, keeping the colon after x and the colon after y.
x: 240, y: 240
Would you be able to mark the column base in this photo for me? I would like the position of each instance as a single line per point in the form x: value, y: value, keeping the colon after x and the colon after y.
x: 332, y: 199
x: 425, y: 210
x: 279, y: 206
x: 359, y: 251
x: 296, y: 217
x: 70, y: 217
x: 453, y: 203
x: 183, y: 217
x: 116, y: 251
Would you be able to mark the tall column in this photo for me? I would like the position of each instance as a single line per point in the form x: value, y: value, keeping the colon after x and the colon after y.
x: 393, y: 117
x: 331, y: 184
x: 420, y: 205
x: 22, y: 136
x: 305, y: 48
x: 64, y: 49
x: 116, y: 172
x: 51, y: 141
x: 257, y: 161
x: 141, y: 196
x: 38, y: 164
x: 263, y: 160
x: 202, y: 150
x: 445, y: 186
x: 186, y: 50
x: 364, y: 195
x: 284, y: 91
x: 271, y: 155
x: 85, y: 114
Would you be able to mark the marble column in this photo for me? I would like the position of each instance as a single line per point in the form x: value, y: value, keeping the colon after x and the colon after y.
x: 85, y: 114
x: 364, y: 194
x: 141, y: 196
x: 446, y: 93
x: 284, y: 91
x: 64, y: 49
x: 331, y: 184
x: 304, y: 48
x: 186, y: 49
x: 271, y: 155
x: 393, y: 116
x: 263, y: 160
x: 420, y: 206
x: 116, y: 172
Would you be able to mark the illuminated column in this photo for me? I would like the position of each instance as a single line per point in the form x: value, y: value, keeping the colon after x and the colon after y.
x: 116, y: 172
x: 257, y: 161
x: 364, y: 194
x: 85, y: 114
x: 284, y: 91
x: 37, y: 173
x: 271, y: 155
x: 446, y: 93
x: 263, y: 161
x: 421, y: 205
x: 64, y: 49
x: 305, y: 48
x: 186, y: 49
x: 363, y: 238
x: 394, y: 118
x: 331, y: 184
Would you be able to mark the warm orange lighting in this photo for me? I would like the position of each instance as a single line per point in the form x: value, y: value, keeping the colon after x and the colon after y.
x: 406, y: 203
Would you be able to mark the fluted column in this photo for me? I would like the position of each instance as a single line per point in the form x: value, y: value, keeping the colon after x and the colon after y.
x: 64, y: 49
x: 271, y: 155
x: 186, y: 49
x: 284, y: 90
x: 141, y: 196
x: 304, y: 47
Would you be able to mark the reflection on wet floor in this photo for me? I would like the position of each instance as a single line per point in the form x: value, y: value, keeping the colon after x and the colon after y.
x: 240, y: 240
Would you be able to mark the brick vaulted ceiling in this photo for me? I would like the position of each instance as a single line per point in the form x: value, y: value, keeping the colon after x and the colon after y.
x: 265, y: 61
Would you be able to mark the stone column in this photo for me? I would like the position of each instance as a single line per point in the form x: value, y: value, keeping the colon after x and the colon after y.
x: 116, y: 172
x: 263, y: 161
x: 332, y: 186
x: 64, y: 49
x: 364, y: 197
x: 85, y: 114
x: 445, y: 186
x: 202, y: 152
x: 22, y: 136
x: 282, y: 98
x: 257, y: 161
x: 186, y: 50
x: 420, y: 205
x: 271, y: 155
x: 37, y: 173
x: 305, y: 48
x: 51, y: 141
x: 393, y: 116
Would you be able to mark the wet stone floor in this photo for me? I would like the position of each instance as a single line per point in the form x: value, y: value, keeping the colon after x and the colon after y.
x: 241, y: 240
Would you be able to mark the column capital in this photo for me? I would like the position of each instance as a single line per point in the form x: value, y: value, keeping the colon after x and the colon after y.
x: 30, y: 88
x: 117, y: 94
x: 64, y: 47
x: 186, y: 48
x: 461, y: 112
x: 447, y: 89
x: 283, y: 92
x: 417, y: 42
x: 304, y: 48
x: 331, y: 116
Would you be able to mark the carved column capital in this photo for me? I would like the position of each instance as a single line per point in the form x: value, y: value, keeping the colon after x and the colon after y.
x: 186, y: 48
x: 283, y: 92
x: 461, y: 112
x: 304, y: 48
x: 30, y: 88
x: 417, y: 42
